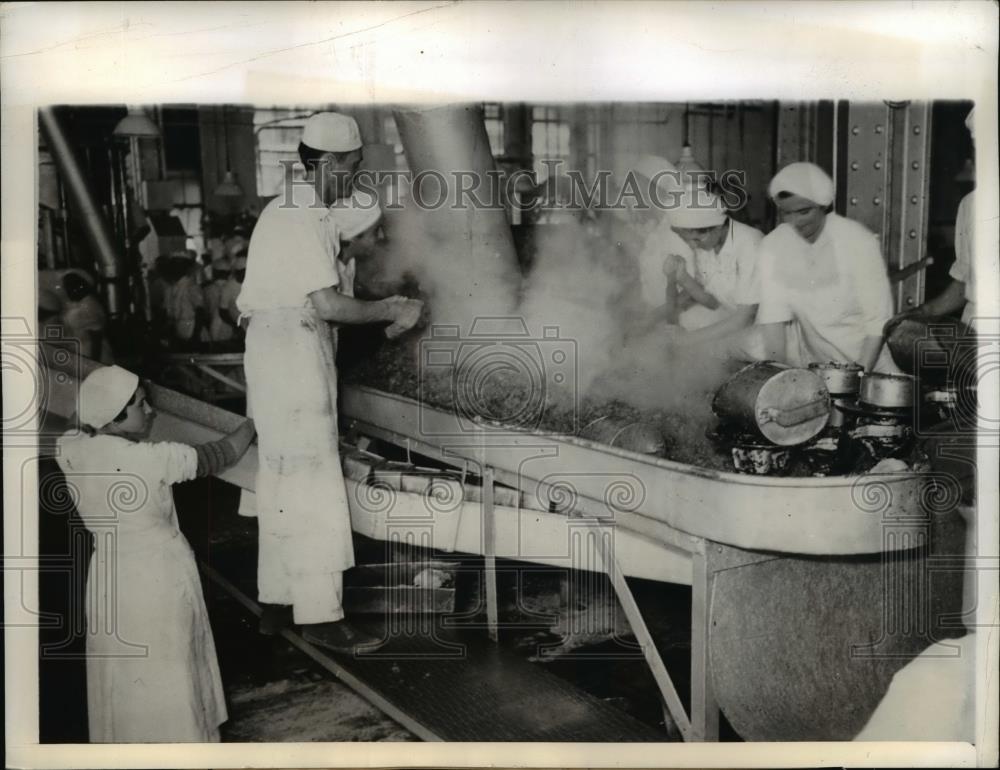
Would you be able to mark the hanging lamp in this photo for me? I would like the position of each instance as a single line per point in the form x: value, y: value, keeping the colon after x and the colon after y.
x: 689, y: 168
x: 136, y: 124
x: 228, y: 187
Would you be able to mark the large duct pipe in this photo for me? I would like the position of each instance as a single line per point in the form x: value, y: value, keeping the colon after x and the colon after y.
x: 94, y: 225
x: 466, y: 252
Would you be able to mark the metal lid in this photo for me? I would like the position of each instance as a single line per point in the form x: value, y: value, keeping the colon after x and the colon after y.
x: 792, y: 407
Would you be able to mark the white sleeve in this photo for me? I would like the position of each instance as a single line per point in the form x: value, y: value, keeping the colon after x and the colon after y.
x: 173, y: 461
x: 872, y: 286
x: 312, y: 255
x: 747, y: 265
x: 962, y: 268
x: 773, y: 306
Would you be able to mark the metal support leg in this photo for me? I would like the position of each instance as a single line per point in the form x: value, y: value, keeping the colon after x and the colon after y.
x: 704, y: 709
x: 671, y: 699
x: 490, y: 567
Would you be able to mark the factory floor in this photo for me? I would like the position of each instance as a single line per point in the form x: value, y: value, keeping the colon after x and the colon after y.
x: 565, y: 627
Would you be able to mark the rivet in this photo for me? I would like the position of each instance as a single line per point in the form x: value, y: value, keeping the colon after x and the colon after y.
x: 855, y: 166
x: 916, y: 129
x: 909, y: 301
x: 878, y: 164
x: 913, y: 233
x: 914, y: 199
x: 856, y: 130
x: 878, y: 129
x: 854, y: 201
x: 877, y: 201
x: 915, y: 165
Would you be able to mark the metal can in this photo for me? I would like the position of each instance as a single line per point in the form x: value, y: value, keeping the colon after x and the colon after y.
x: 787, y: 406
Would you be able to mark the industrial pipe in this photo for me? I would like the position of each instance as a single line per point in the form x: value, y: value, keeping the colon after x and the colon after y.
x: 94, y: 225
x: 468, y: 255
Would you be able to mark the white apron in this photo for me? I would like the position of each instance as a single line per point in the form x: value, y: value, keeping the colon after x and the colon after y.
x: 304, y: 521
x: 152, y: 671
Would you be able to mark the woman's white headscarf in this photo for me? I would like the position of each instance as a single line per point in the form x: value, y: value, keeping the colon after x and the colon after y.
x: 104, y: 393
x: 807, y: 180
x: 697, y: 209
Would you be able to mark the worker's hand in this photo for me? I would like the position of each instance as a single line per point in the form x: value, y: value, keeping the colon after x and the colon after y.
x: 405, y: 315
x: 673, y: 266
x: 347, y: 272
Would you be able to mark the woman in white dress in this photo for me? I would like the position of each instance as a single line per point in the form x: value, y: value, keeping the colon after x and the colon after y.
x: 152, y: 672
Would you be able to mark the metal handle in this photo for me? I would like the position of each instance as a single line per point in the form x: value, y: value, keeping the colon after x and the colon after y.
x: 800, y: 414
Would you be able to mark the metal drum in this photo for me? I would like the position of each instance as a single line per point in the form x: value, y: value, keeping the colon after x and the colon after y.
x: 784, y: 405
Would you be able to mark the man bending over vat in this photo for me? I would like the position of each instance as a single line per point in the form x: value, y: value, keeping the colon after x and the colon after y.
x: 292, y: 293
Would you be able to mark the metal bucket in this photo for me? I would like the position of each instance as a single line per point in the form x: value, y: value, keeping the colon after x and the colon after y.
x: 784, y: 405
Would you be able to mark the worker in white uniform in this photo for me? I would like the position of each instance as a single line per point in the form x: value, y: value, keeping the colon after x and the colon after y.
x: 719, y: 279
x: 152, y: 672
x: 960, y: 293
x: 824, y: 292
x: 291, y: 295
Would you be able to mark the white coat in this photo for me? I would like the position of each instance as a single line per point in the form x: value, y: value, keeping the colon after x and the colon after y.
x: 835, y: 292
x: 303, y: 516
x: 152, y: 671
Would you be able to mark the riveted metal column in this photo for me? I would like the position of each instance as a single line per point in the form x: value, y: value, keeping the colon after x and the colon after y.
x: 868, y: 182
x: 885, y: 184
x: 907, y: 245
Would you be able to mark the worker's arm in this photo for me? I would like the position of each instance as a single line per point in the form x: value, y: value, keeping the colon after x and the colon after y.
x: 335, y: 307
x: 948, y: 301
x: 218, y: 455
x: 738, y: 320
x: 675, y: 268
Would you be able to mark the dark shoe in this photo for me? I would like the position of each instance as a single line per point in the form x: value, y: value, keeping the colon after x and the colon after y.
x: 339, y: 637
x: 274, y: 618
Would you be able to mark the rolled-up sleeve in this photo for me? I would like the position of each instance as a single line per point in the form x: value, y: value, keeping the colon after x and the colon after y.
x: 174, y: 462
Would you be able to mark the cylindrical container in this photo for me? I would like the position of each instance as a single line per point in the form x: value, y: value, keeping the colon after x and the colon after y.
x: 786, y: 406
x: 843, y: 381
x: 887, y: 391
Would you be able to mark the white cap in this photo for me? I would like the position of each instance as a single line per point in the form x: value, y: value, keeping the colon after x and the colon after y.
x: 104, y: 393
x: 807, y: 180
x: 331, y: 132
x: 357, y: 214
x: 697, y: 209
